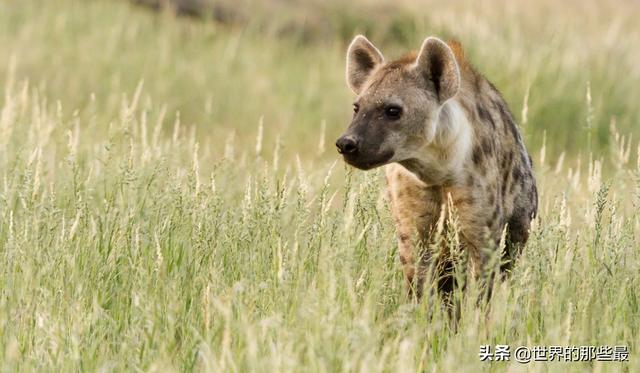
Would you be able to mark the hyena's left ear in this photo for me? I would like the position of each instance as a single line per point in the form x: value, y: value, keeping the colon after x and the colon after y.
x: 362, y: 59
x: 437, y: 64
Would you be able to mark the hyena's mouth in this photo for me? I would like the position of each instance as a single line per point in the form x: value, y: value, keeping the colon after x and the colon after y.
x: 368, y: 162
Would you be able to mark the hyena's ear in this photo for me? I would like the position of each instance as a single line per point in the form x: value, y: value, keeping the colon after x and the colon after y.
x: 362, y: 59
x: 437, y: 64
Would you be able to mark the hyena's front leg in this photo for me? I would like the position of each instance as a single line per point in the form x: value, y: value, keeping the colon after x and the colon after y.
x: 415, y: 209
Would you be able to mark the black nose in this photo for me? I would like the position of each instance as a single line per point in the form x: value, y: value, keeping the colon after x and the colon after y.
x: 347, y: 145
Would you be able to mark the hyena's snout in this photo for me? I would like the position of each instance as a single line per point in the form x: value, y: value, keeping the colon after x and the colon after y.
x: 347, y: 144
x: 360, y: 153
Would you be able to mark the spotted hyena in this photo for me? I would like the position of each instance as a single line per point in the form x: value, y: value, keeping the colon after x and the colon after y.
x: 446, y: 138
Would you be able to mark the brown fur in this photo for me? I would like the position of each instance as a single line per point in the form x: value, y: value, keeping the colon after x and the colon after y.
x: 456, y: 148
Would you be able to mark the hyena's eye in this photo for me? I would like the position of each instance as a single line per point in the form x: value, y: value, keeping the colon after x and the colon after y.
x: 393, y: 112
x: 356, y: 108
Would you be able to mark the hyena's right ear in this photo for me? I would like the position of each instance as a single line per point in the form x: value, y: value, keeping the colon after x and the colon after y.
x: 362, y: 59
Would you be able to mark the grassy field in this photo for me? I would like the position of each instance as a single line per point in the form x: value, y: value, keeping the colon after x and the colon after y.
x: 170, y: 198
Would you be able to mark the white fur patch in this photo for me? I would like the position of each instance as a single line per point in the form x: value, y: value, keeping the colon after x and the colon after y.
x: 460, y: 134
x: 445, y: 156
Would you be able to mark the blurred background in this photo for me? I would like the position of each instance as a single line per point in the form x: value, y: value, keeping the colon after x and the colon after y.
x: 171, y: 199
x: 568, y: 69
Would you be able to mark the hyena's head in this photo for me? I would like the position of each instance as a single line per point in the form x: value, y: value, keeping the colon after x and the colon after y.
x: 396, y: 112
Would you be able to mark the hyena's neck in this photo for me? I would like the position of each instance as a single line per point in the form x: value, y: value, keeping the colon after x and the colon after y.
x: 443, y: 161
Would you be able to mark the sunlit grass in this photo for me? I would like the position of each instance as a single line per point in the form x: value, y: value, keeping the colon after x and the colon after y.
x: 229, y: 237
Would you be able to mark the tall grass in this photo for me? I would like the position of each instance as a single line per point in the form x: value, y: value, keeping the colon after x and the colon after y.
x: 228, y: 237
x: 222, y: 76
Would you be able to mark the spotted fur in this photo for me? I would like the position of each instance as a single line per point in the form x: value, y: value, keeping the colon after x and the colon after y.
x: 455, y: 141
